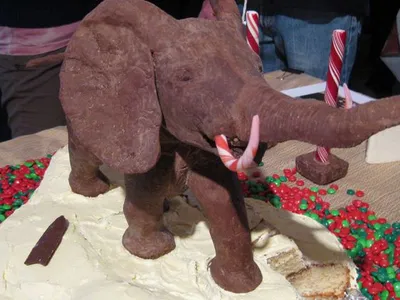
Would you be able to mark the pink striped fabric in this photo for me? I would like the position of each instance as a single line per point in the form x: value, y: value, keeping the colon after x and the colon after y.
x: 34, y: 41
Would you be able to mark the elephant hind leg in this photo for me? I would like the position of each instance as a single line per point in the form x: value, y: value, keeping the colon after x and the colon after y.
x: 218, y: 191
x: 144, y: 205
x: 85, y: 178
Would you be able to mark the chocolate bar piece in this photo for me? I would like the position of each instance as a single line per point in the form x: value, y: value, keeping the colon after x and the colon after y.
x: 320, y: 173
x: 48, y: 243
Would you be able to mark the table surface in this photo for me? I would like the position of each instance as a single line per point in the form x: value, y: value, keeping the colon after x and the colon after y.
x: 375, y: 180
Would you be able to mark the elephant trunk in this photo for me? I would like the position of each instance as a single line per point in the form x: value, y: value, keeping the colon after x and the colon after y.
x: 283, y: 118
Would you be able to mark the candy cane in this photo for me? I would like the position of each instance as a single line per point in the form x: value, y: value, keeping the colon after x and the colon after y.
x: 252, y: 32
x: 332, y: 81
x: 247, y: 159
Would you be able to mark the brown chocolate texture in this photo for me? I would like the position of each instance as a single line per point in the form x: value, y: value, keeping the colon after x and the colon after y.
x: 319, y: 172
x: 48, y: 243
x: 146, y: 94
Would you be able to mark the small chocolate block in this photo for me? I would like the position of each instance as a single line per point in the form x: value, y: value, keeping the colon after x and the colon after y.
x: 320, y: 173
x: 48, y: 243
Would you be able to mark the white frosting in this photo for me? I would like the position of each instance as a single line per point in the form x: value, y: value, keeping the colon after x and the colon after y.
x: 384, y: 147
x: 91, y: 263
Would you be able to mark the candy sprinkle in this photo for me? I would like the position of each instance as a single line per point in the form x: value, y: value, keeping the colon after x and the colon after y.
x: 17, y: 184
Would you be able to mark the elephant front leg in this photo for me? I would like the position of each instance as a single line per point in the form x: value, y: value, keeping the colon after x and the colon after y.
x: 146, y: 236
x: 218, y: 191
x: 85, y: 178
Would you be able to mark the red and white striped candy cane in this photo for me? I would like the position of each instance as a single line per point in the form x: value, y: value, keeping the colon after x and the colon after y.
x: 252, y: 32
x: 333, y: 80
x: 247, y: 159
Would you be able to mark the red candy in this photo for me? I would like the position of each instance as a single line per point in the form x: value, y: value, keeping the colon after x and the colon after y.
x: 242, y: 176
x: 360, y: 194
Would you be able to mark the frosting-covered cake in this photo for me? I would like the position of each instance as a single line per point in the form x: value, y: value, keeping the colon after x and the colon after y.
x: 92, y: 264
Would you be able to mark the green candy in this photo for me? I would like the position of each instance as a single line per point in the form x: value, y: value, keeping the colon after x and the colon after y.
x: 350, y: 192
x: 369, y: 243
x: 385, y: 226
x: 345, y: 223
x: 276, y: 201
x: 363, y: 209
x: 303, y: 206
x: 335, y: 212
x: 378, y: 235
x: 396, y: 288
x: 396, y: 225
x: 260, y: 164
x: 330, y: 221
x: 363, y: 242
x: 364, y: 291
x: 388, y: 250
x: 314, y: 216
x: 283, y: 178
x: 269, y: 179
x: 2, y: 217
x: 384, y: 295
x: 318, y: 206
x: 331, y: 191
x: 372, y: 217
x: 325, y: 222
x: 28, y: 164
x: 303, y: 201
x: 361, y: 253
x: 377, y: 226
x: 6, y: 207
x: 314, y: 189
x: 313, y: 198
x: 390, y: 238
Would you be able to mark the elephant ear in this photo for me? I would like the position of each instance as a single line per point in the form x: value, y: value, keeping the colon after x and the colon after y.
x: 225, y: 10
x: 109, y: 96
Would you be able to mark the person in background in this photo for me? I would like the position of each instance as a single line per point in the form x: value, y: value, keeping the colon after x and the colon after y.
x: 296, y: 34
x: 33, y: 37
x: 30, y: 31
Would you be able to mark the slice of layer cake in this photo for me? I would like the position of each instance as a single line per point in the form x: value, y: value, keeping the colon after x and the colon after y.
x: 321, y: 282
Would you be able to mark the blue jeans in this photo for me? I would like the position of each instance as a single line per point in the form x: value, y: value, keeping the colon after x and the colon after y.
x: 307, y: 37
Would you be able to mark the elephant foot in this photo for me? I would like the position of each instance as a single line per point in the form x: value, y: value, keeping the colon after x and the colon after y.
x: 149, y: 246
x: 89, y: 187
x: 241, y: 280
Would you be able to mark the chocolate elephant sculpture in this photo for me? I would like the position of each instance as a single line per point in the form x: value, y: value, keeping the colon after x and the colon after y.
x: 146, y: 94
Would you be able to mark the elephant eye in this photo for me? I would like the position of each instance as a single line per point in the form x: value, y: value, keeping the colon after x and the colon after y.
x: 185, y: 75
x: 260, y: 68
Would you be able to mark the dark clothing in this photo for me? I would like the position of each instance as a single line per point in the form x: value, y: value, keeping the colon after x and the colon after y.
x: 53, y: 13
x: 30, y: 95
x: 358, y: 8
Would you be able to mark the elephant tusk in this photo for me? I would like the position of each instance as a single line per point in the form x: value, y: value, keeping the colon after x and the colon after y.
x: 348, y: 99
x: 247, y: 159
